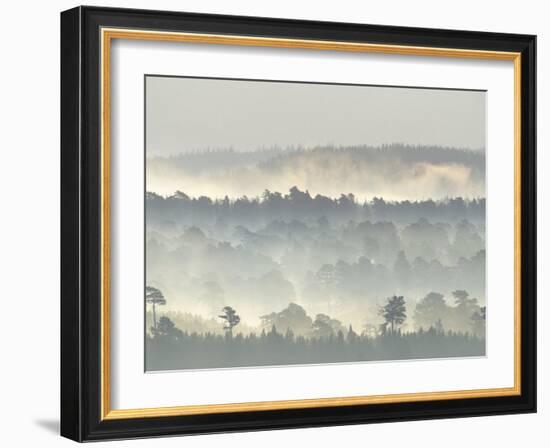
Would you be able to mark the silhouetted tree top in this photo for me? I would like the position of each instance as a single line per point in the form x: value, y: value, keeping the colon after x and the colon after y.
x: 293, y: 318
x: 166, y: 329
x: 154, y: 296
x: 230, y: 318
x: 394, y: 312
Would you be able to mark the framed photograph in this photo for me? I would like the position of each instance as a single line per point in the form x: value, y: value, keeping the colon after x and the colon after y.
x: 273, y: 223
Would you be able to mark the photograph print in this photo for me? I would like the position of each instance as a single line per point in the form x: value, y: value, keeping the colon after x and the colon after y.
x: 291, y: 223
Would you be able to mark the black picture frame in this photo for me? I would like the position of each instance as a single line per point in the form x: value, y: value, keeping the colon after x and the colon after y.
x: 81, y: 224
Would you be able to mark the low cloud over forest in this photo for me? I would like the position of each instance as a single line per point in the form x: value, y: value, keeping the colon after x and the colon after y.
x: 394, y: 172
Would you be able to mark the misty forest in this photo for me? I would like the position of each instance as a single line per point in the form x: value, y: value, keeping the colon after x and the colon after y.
x: 314, y: 255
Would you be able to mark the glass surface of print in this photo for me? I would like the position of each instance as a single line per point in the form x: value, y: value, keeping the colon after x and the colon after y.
x: 309, y: 223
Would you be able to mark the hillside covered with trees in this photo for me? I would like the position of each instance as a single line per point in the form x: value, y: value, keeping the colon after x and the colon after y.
x: 394, y: 171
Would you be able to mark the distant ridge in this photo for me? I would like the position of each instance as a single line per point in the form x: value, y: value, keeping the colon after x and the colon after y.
x: 394, y: 171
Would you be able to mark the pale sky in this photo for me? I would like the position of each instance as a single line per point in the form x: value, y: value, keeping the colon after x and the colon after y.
x: 186, y: 114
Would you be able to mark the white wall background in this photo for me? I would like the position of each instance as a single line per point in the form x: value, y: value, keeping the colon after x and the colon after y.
x: 29, y: 248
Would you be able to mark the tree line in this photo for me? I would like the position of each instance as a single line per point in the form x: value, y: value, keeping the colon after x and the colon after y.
x: 168, y: 347
x: 298, y: 204
x: 273, y: 157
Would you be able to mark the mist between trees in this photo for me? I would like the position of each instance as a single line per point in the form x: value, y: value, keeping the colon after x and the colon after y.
x: 337, y: 257
x: 331, y: 257
x: 206, y: 254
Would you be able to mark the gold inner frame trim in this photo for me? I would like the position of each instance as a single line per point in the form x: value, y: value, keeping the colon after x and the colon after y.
x: 107, y: 35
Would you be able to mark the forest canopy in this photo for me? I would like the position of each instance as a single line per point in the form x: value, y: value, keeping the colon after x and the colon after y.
x: 326, y: 254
